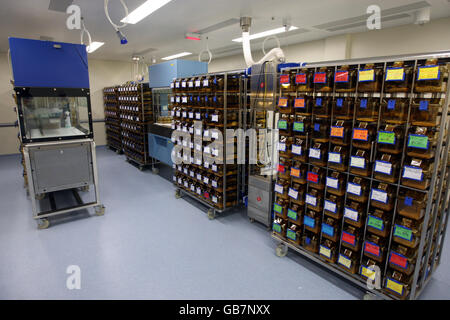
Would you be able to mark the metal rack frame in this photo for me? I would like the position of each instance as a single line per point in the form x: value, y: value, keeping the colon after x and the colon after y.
x: 437, y: 181
x: 212, y: 210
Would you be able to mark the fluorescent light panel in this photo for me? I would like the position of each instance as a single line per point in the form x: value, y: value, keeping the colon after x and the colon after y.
x: 267, y: 33
x: 144, y: 10
x: 94, y: 46
x: 178, y: 55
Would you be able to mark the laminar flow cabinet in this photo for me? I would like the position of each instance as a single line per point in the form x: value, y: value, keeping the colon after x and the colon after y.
x: 51, y: 88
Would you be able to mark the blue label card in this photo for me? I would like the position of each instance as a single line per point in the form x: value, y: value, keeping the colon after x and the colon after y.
x: 327, y: 229
x: 319, y: 102
x: 423, y: 106
x: 316, y: 127
x: 363, y: 104
x: 391, y: 104
x: 310, y: 222
x: 408, y: 201
x: 339, y: 102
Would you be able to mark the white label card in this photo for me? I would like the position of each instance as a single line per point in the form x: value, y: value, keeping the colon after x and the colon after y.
x: 332, y: 183
x: 293, y: 193
x: 282, y: 146
x: 314, y: 153
x: 334, y: 157
x: 297, y: 150
x: 354, y: 189
x: 215, y: 118
x: 311, y: 200
x: 379, y: 195
x: 351, y: 214
x: 358, y: 162
x: 413, y: 173
x: 330, y: 206
x: 383, y: 167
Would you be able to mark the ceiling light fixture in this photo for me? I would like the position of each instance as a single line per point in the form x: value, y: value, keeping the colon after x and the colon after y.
x: 268, y: 33
x: 94, y: 46
x: 144, y: 10
x: 178, y: 55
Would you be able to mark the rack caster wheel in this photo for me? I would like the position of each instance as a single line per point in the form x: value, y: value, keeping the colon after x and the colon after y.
x: 251, y: 220
x: 118, y: 151
x: 155, y: 170
x: 100, y: 211
x: 43, y: 224
x: 177, y: 194
x: 141, y: 168
x: 211, y: 214
x: 281, y: 250
x: 370, y: 296
x: 40, y: 196
x: 85, y: 189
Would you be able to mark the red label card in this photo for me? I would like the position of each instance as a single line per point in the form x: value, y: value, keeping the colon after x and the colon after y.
x: 300, y: 78
x: 320, y: 77
x: 313, y: 177
x: 348, y: 238
x: 341, y: 76
x: 372, y: 248
x: 284, y: 79
x: 206, y: 195
x: 299, y: 103
x: 398, y: 260
x: 281, y: 168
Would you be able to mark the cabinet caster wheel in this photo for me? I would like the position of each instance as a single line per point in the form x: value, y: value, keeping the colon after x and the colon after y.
x: 43, y: 224
x: 211, y: 214
x: 177, y: 194
x: 40, y: 196
x: 155, y: 170
x: 252, y: 220
x: 141, y: 168
x: 100, y: 211
x: 118, y: 151
x: 281, y: 250
x: 85, y: 189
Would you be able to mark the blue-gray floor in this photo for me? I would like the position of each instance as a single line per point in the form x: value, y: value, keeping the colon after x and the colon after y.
x: 151, y: 246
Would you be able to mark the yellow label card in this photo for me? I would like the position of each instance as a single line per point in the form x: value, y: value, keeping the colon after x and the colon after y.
x: 367, y: 75
x: 394, y: 286
x: 428, y: 73
x: 396, y: 74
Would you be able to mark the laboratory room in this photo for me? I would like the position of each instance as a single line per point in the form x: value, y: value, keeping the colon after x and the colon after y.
x: 236, y: 157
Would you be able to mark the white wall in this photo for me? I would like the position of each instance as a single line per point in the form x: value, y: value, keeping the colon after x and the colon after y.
x: 101, y: 74
x: 408, y: 39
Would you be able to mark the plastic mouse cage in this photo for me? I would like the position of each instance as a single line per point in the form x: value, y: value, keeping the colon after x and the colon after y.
x: 362, y: 186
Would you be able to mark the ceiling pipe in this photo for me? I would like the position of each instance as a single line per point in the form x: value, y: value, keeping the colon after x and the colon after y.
x: 274, y: 54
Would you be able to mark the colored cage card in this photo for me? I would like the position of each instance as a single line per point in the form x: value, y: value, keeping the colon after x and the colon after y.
x: 394, y: 286
x: 277, y: 208
x: 366, y: 75
x: 383, y: 167
x: 311, y: 200
x: 310, y: 222
x: 324, y: 251
x: 295, y: 172
x: 345, y: 261
x: 395, y: 74
x: 418, y: 141
x: 330, y: 206
x: 341, y: 76
x: 291, y: 235
x: 337, y: 132
x: 348, y: 238
x: 283, y: 102
x: 334, y: 157
x: 299, y: 126
x: 282, y: 124
x: 276, y: 227
x: 360, y: 134
x: 386, y: 137
x: 379, y: 195
x: 428, y: 73
x: 284, y: 79
x: 412, y: 173
x: 398, y: 260
x: 403, y: 232
x: 300, y: 78
x: 297, y: 150
x: 327, y: 229
x: 320, y: 77
x: 292, y: 215
x: 375, y: 223
x: 372, y: 248
x: 312, y: 177
x: 299, y: 103
x: 332, y: 183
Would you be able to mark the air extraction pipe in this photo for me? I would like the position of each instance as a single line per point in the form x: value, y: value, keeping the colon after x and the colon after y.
x: 274, y: 54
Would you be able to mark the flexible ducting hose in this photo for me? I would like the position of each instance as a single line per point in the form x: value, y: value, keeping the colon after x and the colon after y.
x: 116, y: 27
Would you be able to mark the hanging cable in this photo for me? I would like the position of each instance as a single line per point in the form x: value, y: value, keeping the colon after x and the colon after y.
x: 85, y: 31
x: 265, y: 40
x: 123, y: 39
x: 207, y: 51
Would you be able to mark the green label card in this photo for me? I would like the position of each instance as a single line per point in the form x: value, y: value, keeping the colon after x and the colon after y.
x: 282, y: 124
x: 386, y: 137
x: 277, y: 208
x: 299, y: 126
x: 403, y: 232
x: 418, y: 141
x: 292, y: 214
x: 375, y: 222
x: 291, y: 235
x: 276, y: 227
